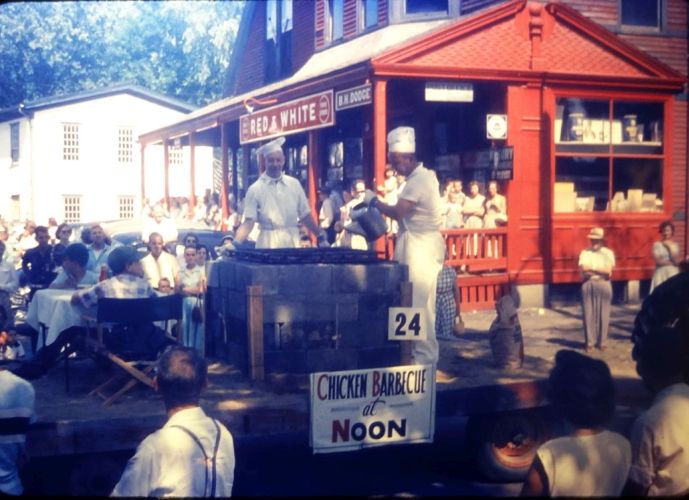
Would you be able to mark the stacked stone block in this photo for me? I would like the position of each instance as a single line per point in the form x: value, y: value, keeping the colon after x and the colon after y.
x: 317, y: 317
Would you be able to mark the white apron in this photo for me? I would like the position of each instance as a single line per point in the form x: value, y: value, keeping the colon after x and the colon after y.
x: 424, y: 253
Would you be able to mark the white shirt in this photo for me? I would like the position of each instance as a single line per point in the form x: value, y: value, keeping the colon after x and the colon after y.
x: 89, y: 278
x: 170, y: 463
x: 427, y: 214
x: 660, y: 444
x: 585, y: 466
x: 17, y: 398
x: 277, y: 205
x: 602, y: 260
x: 165, y: 266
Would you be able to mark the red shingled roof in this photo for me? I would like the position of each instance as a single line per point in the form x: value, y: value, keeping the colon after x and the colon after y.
x: 521, y: 40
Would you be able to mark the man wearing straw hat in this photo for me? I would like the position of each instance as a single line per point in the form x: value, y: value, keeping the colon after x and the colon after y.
x: 278, y: 203
x: 420, y: 244
x: 596, y: 264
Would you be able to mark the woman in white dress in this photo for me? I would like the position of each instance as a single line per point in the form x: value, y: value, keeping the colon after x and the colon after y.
x: 665, y: 254
x: 192, y: 286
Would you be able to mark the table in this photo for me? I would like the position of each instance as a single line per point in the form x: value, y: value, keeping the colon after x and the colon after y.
x: 52, y: 308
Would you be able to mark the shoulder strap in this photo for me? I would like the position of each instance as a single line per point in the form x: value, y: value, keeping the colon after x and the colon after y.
x: 205, y: 456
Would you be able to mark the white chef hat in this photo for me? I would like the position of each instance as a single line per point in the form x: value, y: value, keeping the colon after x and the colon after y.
x: 402, y: 140
x: 271, y: 147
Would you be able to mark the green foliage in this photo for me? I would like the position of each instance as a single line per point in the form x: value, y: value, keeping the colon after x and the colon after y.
x: 179, y: 48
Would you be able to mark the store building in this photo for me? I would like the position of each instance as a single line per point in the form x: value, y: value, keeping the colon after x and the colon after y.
x: 578, y: 109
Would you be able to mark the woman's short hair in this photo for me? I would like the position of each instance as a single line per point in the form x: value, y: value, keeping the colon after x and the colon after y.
x: 665, y: 224
x: 581, y: 389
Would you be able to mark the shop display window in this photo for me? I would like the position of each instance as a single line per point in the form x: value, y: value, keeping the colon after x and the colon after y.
x: 609, y: 155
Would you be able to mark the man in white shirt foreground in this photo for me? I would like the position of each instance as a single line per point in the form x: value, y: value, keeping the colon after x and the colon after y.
x: 193, y: 454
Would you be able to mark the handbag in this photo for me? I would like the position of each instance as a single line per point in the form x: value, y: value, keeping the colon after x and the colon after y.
x: 197, y: 310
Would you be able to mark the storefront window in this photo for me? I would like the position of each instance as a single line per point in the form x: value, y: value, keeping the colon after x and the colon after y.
x: 608, y: 156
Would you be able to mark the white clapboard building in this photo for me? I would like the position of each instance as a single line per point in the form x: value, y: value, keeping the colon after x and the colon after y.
x: 77, y: 157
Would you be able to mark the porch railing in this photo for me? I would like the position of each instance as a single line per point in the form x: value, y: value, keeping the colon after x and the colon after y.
x: 474, y: 250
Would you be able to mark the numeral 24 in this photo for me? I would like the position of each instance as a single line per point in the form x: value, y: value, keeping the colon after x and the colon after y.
x: 414, y: 324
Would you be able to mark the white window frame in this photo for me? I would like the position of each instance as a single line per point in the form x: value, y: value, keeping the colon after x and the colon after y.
x: 125, y: 145
x: 175, y: 155
x: 70, y: 141
x: 657, y: 28
x: 71, y: 207
x: 14, y: 142
x: 126, y: 206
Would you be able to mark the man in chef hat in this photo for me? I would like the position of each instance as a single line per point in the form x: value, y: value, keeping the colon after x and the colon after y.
x: 419, y: 242
x: 276, y: 201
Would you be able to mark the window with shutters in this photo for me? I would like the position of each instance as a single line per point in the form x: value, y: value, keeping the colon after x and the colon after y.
x: 278, y: 43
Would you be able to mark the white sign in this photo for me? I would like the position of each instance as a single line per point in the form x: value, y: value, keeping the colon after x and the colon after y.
x: 351, y: 98
x: 449, y: 92
x: 496, y: 126
x: 407, y: 323
x: 356, y: 409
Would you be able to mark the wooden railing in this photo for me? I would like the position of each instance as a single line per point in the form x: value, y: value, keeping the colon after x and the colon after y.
x: 474, y: 250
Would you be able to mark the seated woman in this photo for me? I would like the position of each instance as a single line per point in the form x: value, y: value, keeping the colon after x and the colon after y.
x: 591, y: 461
x: 192, y: 285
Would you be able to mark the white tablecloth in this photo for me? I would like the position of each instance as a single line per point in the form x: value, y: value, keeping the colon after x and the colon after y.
x: 53, y: 309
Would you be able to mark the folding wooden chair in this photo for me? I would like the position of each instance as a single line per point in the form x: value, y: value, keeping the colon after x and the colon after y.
x: 127, y: 343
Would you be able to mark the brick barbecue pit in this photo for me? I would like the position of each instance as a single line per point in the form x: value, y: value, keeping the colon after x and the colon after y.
x: 323, y: 309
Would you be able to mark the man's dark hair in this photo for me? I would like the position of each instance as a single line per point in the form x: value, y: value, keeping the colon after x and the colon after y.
x: 663, y: 354
x: 77, y: 252
x: 190, y: 235
x: 41, y: 229
x: 181, y: 376
x: 581, y: 389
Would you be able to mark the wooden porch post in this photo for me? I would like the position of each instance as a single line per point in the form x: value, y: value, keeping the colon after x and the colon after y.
x: 379, y: 141
x: 225, y: 161
x: 143, y: 175
x: 312, y: 177
x: 192, y: 170
x: 166, y: 172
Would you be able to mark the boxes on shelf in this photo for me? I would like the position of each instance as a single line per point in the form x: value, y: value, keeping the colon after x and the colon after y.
x: 634, y: 199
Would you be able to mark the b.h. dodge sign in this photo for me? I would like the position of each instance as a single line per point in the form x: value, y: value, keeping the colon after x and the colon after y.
x: 363, y: 408
x: 306, y: 113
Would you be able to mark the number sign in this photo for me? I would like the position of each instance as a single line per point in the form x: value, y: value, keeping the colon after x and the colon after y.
x: 407, y: 323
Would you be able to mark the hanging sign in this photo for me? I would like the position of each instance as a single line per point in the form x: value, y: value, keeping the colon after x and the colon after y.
x: 306, y: 113
x: 449, y: 92
x: 357, y: 409
x: 496, y: 127
x: 351, y: 98
x: 502, y: 163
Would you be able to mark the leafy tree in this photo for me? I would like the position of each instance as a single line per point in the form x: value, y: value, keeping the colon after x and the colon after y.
x: 178, y: 48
